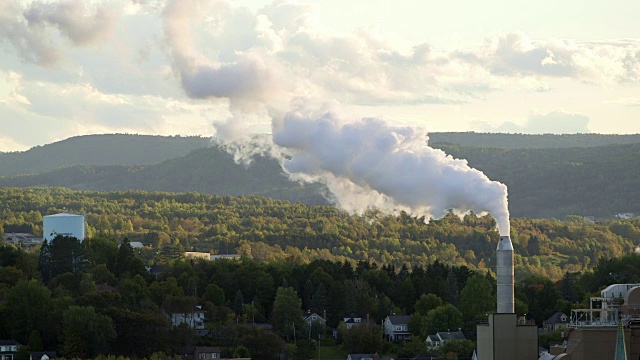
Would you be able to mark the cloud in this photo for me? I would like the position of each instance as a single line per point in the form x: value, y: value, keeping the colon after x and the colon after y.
x: 555, y: 122
x: 515, y: 54
x: 27, y: 29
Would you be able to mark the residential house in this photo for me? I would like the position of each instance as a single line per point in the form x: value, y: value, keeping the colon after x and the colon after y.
x: 198, y: 352
x: 197, y: 255
x: 156, y: 270
x: 313, y: 318
x: 214, y: 257
x: 443, y: 336
x: 557, y: 321
x: 23, y: 240
x: 42, y: 355
x: 352, y: 321
x: 194, y: 319
x: 8, y: 349
x: 363, y: 357
x: 396, y: 327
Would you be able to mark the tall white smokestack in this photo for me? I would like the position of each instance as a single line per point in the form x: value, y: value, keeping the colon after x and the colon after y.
x: 504, y: 272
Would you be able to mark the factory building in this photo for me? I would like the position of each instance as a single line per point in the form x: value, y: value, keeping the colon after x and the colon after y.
x: 504, y: 336
x: 65, y: 224
x: 608, y: 329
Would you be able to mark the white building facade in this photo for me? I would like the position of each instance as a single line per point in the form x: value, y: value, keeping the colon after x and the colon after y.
x: 64, y: 224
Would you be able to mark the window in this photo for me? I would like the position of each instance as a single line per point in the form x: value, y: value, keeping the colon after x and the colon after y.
x: 203, y: 356
x: 214, y: 355
x: 405, y: 328
x: 398, y: 328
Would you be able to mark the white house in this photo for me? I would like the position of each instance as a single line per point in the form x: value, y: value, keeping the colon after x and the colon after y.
x: 443, y: 336
x: 224, y: 256
x: 43, y: 355
x: 311, y: 318
x: 8, y: 349
x: 194, y: 319
x: 363, y: 357
x: 396, y: 327
x: 352, y: 321
x: 557, y: 321
x: 197, y: 255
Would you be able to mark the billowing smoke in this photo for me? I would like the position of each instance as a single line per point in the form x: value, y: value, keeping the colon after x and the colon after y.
x: 369, y: 162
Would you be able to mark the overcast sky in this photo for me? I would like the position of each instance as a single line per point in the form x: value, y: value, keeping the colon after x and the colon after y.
x: 198, y: 67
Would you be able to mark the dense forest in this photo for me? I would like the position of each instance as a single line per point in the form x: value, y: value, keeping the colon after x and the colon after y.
x: 530, y: 141
x: 91, y: 298
x: 268, y: 229
x: 597, y: 181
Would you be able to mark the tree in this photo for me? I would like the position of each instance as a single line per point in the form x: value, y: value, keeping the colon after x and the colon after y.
x: 86, y: 333
x: 457, y: 349
x: 31, y: 308
x: 287, y: 312
x: 477, y: 298
x: 361, y: 339
x: 127, y: 263
x: 442, y: 318
x: 102, y: 250
x: 67, y: 255
x: 426, y: 303
x: 214, y: 294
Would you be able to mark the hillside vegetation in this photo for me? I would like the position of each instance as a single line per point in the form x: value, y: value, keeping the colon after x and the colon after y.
x: 112, y: 149
x: 530, y: 141
x: 599, y: 181
x: 268, y: 229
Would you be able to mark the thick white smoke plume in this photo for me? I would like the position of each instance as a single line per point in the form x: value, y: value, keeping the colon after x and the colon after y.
x: 369, y: 162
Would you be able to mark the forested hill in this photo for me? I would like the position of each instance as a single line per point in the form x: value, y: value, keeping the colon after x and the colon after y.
x: 125, y: 149
x: 553, y: 182
x: 599, y: 181
x: 109, y: 149
x: 268, y: 229
x: 529, y: 141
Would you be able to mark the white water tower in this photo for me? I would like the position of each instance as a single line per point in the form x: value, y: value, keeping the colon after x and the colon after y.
x: 63, y: 224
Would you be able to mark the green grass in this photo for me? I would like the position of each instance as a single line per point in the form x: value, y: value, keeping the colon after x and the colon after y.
x: 330, y: 351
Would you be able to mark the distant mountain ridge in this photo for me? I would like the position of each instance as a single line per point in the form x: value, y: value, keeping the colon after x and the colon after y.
x: 531, y: 141
x: 596, y: 181
x: 108, y: 149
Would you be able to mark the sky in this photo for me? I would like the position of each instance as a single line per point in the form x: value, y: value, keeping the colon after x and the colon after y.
x: 224, y: 68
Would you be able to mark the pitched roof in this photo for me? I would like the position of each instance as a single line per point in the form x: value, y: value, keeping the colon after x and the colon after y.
x: 451, y: 335
x: 352, y: 320
x: 364, y: 356
x: 399, y: 319
x: 9, y: 342
x: 308, y: 315
x: 556, y: 318
x: 433, y: 338
x: 39, y: 354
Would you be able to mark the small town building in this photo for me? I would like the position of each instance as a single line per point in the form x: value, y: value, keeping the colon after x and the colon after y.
x: 42, y: 355
x: 8, y: 349
x: 443, y: 336
x: 396, y: 327
x: 313, y: 318
x: 198, y: 352
x: 556, y: 321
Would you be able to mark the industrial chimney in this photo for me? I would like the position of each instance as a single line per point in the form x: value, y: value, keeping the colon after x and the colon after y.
x: 504, y: 272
